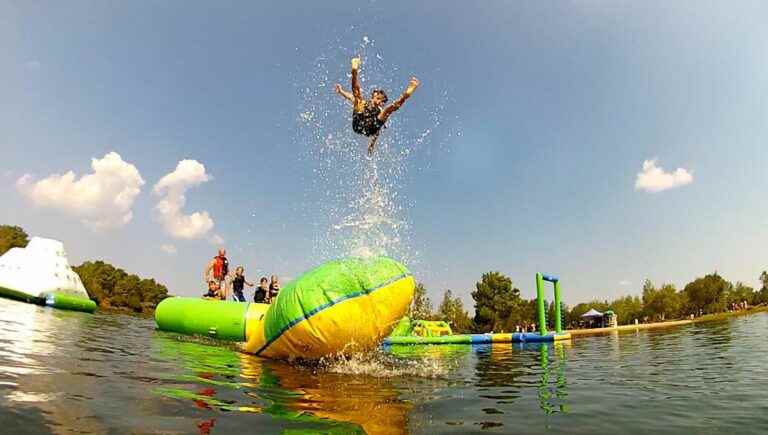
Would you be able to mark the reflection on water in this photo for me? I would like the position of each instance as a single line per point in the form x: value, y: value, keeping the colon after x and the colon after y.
x: 62, y: 372
x: 311, y: 396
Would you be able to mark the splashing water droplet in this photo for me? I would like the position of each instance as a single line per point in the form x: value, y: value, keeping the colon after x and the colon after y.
x: 357, y: 200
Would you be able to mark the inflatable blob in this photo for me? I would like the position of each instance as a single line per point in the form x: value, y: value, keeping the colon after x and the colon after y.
x: 40, y: 274
x: 342, y: 306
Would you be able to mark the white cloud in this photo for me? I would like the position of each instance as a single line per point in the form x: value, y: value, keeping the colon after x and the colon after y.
x: 171, y: 188
x: 624, y: 283
x: 169, y: 249
x: 102, y: 200
x: 654, y: 179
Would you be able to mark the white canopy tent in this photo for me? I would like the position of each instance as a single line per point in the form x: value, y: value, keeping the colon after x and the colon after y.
x: 591, y: 313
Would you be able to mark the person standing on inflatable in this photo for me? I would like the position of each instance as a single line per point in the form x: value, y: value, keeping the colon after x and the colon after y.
x: 238, y: 283
x: 274, y: 288
x: 368, y: 117
x: 217, y: 270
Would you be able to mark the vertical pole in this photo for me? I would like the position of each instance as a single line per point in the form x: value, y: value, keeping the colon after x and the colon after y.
x: 558, y: 321
x: 540, y: 304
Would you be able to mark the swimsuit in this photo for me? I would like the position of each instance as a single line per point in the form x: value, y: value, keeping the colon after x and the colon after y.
x: 367, y: 122
x: 238, y: 282
x: 260, y: 296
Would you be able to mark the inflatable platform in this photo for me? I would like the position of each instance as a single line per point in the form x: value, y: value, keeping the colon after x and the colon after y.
x: 343, y: 306
x: 436, y: 332
x: 40, y: 274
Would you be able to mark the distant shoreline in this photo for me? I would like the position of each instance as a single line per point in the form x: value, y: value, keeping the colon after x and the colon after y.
x: 667, y: 324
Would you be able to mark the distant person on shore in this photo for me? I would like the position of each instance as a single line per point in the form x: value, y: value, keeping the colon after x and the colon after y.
x: 274, y: 288
x: 218, y: 270
x: 262, y: 292
x: 238, y: 283
x: 214, y: 291
x: 369, y: 116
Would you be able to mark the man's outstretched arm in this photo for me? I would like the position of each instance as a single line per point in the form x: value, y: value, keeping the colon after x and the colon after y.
x: 392, y: 108
x: 345, y: 94
x: 356, y: 93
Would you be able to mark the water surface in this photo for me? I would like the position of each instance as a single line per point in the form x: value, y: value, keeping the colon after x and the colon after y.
x: 66, y: 372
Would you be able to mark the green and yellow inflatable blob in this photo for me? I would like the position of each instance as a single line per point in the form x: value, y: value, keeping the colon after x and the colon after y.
x: 342, y: 306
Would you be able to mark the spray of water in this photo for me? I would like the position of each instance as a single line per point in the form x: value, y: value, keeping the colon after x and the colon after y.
x: 383, y: 364
x: 360, y: 208
x: 357, y: 202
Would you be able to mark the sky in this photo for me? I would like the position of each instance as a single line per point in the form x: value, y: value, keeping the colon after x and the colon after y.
x: 602, y: 142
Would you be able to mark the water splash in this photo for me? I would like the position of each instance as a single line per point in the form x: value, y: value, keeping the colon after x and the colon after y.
x: 383, y: 364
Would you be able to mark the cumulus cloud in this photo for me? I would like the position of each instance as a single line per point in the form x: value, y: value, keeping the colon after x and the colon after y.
x: 171, y: 188
x: 653, y: 178
x: 101, y: 200
x: 168, y: 249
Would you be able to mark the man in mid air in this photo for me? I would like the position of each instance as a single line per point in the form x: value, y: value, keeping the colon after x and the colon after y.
x: 368, y: 117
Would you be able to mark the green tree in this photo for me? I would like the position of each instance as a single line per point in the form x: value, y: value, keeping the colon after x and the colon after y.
x: 524, y: 312
x: 113, y: 287
x: 762, y: 295
x: 452, y: 311
x: 661, y: 304
x: 707, y: 294
x: 495, y: 302
x: 12, y: 237
x: 421, y: 307
x: 627, y: 309
x: 740, y: 293
x: 576, y: 312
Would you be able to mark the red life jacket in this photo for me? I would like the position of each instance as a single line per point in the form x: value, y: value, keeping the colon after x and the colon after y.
x: 220, y: 267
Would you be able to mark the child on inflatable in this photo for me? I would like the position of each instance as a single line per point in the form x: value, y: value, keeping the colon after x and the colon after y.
x: 238, y: 282
x: 261, y: 296
x: 368, y: 117
x: 214, y: 291
x: 274, y: 288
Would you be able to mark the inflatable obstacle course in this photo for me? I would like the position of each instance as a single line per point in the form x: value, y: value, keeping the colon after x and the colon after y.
x: 407, y: 332
x: 342, y: 306
x: 40, y: 274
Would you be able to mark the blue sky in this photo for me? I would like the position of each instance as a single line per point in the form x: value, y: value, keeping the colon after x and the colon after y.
x: 547, y: 112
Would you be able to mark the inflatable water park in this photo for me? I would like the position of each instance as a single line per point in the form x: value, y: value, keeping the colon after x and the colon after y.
x: 40, y: 274
x: 436, y: 332
x: 343, y: 306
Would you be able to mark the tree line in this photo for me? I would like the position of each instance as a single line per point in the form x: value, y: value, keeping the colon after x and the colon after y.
x: 499, y: 306
x: 107, y: 285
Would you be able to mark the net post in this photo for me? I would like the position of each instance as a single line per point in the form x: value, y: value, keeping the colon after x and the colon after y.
x: 540, y: 304
x: 558, y: 317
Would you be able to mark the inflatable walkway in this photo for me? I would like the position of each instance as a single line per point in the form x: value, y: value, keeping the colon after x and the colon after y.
x: 342, y: 306
x: 435, y: 332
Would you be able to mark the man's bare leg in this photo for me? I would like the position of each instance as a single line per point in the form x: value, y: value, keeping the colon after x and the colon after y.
x: 392, y: 108
x: 372, y: 144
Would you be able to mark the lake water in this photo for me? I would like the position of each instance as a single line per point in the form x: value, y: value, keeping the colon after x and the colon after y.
x: 66, y: 372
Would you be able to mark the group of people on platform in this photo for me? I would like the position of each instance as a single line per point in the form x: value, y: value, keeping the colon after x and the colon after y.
x: 220, y: 281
